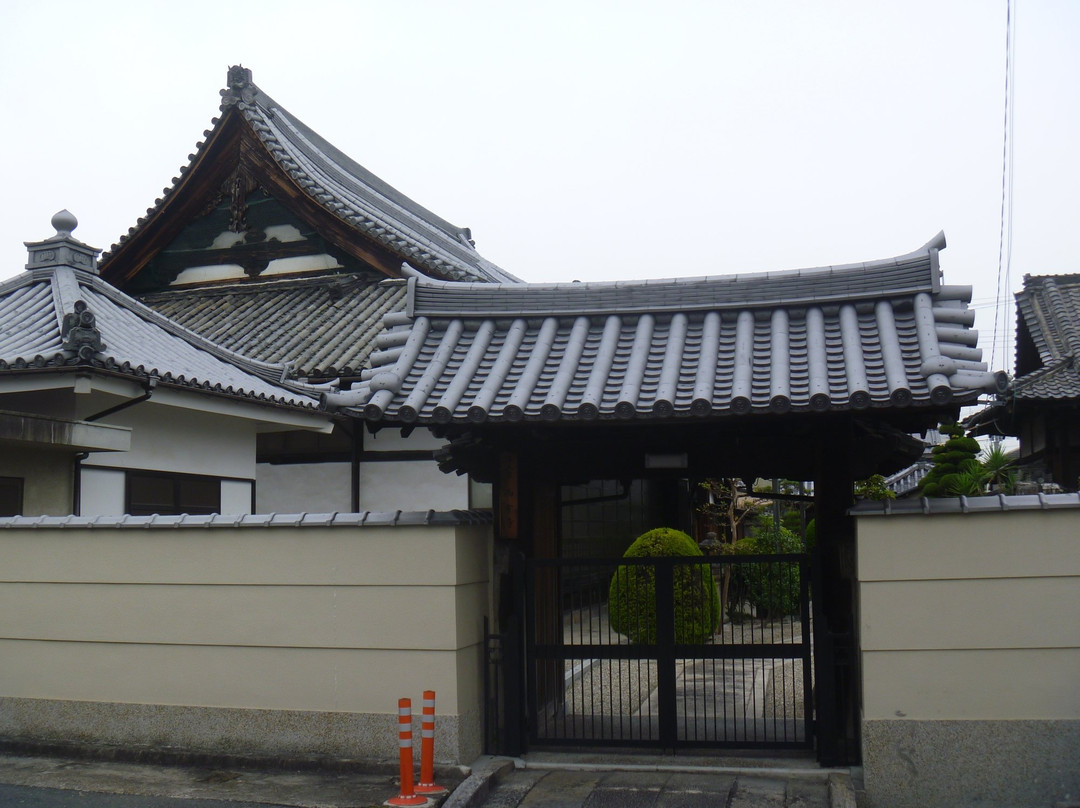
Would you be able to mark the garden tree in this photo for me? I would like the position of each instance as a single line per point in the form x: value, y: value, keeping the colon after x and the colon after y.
x: 632, y: 594
x: 956, y: 469
x: 726, y: 509
x: 771, y: 587
x: 874, y: 487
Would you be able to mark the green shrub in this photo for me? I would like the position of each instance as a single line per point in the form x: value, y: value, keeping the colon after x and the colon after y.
x: 772, y: 587
x: 632, y: 594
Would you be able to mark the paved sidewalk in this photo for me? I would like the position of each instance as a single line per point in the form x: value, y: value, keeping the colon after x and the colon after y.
x: 562, y: 780
x: 538, y: 780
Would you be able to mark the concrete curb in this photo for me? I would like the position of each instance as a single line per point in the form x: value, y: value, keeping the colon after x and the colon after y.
x: 782, y: 772
x: 841, y: 791
x: 474, y: 790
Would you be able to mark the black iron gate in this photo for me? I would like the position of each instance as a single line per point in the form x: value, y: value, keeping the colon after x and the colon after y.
x: 633, y: 652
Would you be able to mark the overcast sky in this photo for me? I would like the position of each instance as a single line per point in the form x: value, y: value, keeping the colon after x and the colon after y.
x: 585, y: 140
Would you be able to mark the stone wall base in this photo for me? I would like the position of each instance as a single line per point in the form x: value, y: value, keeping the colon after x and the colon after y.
x: 228, y: 731
x: 1011, y: 764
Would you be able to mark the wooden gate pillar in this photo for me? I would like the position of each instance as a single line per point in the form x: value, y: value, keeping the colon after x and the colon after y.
x: 836, y: 643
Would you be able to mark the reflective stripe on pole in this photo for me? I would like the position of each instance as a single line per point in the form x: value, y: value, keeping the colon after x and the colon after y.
x: 407, y: 796
x: 427, y: 747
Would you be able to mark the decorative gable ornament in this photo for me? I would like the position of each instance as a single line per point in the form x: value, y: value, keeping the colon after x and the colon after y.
x: 80, y: 334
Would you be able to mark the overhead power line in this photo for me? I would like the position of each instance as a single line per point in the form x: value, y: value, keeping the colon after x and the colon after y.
x: 1002, y: 299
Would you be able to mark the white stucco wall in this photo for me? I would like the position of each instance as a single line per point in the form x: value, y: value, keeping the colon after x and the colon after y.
x: 236, y: 496
x: 410, y: 485
x: 102, y: 492
x: 303, y: 487
x: 183, y: 440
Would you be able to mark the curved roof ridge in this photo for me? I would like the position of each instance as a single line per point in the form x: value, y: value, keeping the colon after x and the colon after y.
x: 902, y: 275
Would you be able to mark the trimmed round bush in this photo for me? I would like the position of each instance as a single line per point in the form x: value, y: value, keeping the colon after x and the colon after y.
x: 632, y: 594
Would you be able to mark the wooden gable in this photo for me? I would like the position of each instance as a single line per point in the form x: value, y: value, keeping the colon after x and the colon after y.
x: 233, y: 185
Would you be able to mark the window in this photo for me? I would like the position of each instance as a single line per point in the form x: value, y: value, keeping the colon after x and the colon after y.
x: 11, y: 496
x: 151, y: 492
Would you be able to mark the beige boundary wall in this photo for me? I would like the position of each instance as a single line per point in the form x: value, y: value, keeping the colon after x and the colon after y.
x: 262, y: 634
x: 970, y: 633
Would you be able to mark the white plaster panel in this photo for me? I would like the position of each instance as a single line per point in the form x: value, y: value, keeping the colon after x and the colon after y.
x: 303, y: 487
x: 481, y: 495
x: 102, y: 492
x: 236, y: 496
x: 415, y: 485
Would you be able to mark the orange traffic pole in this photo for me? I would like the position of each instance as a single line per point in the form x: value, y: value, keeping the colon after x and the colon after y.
x: 407, y: 796
x: 427, y: 747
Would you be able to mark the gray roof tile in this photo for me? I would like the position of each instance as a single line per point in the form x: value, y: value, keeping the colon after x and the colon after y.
x: 851, y: 337
x: 321, y: 327
x: 129, y: 337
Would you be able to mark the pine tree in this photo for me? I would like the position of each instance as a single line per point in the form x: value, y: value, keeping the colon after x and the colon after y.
x: 957, y: 469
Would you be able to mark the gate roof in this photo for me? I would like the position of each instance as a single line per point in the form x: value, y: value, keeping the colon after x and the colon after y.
x: 880, y: 334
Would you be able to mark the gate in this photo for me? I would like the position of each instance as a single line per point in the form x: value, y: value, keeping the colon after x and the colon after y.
x: 628, y: 652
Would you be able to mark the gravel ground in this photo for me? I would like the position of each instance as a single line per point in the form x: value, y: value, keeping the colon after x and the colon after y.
x: 611, y: 694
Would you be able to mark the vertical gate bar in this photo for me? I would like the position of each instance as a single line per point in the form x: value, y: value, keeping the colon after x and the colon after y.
x: 807, y: 655
x: 665, y: 650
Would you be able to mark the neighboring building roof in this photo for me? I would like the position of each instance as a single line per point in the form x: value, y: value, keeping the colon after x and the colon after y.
x: 60, y: 315
x: 1048, y: 338
x: 306, y: 169
x: 882, y: 334
x: 322, y: 328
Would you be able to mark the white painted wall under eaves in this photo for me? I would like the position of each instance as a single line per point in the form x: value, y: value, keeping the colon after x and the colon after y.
x: 171, y: 439
x: 386, y: 481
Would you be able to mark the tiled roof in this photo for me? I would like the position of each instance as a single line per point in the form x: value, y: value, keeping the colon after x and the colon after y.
x: 321, y: 327
x: 1048, y: 309
x: 57, y: 316
x: 254, y: 520
x: 345, y: 189
x: 878, y: 334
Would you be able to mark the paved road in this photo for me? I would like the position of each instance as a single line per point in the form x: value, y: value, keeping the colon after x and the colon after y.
x: 531, y: 788
x: 30, y: 797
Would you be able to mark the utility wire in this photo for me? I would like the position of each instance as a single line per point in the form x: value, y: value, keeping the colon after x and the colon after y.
x: 1005, y: 237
